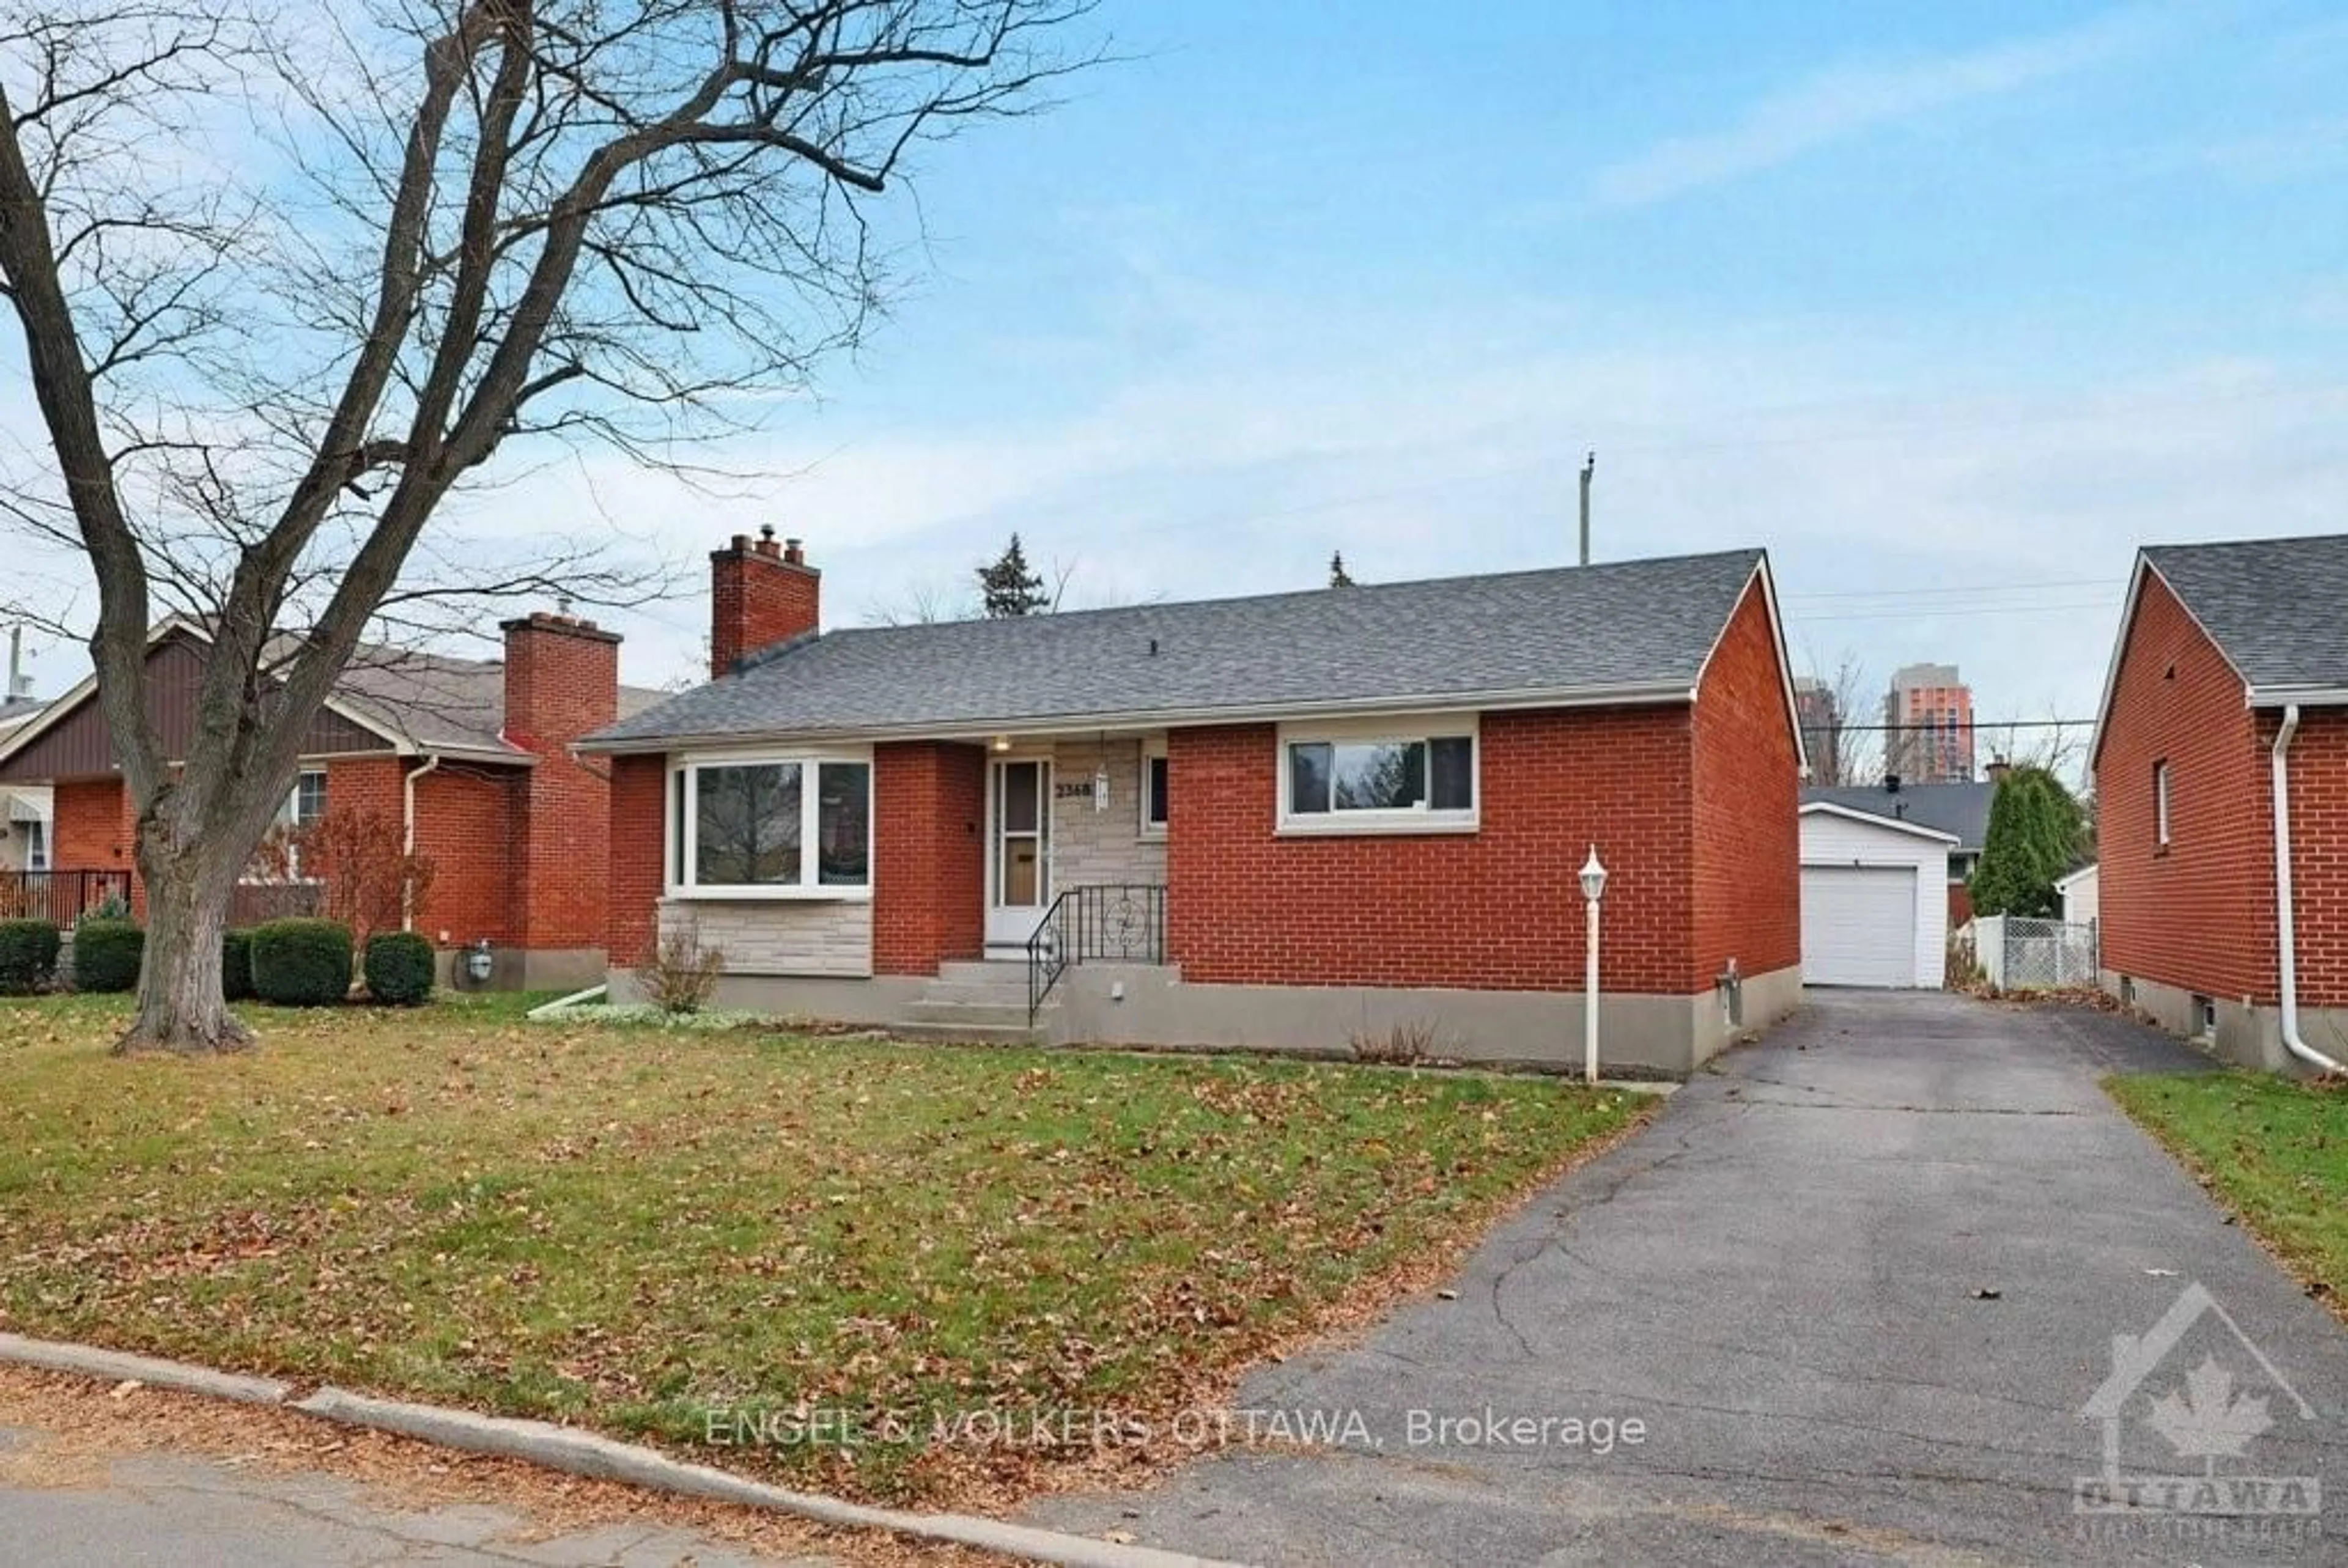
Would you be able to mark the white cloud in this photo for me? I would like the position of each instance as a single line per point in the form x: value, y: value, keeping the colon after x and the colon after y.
x: 1849, y: 100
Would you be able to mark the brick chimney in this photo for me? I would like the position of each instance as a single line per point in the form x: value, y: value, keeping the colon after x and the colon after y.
x: 760, y: 594
x: 1997, y: 770
x: 562, y: 679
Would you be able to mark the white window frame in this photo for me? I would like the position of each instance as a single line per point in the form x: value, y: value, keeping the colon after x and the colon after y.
x: 289, y: 817
x: 680, y: 794
x: 1152, y: 751
x: 2160, y: 803
x: 1422, y: 818
x: 37, y: 844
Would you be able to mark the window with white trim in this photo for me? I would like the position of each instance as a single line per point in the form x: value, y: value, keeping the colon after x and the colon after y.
x: 1153, y: 789
x: 36, y: 844
x: 770, y: 827
x: 1366, y: 778
x: 2160, y: 803
x: 305, y: 803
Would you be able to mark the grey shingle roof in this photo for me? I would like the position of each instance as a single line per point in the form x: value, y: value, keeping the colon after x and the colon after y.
x: 1590, y: 629
x: 437, y: 700
x: 2273, y: 605
x: 1958, y: 808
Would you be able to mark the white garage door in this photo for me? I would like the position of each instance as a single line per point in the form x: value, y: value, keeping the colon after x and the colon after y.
x: 1859, y: 924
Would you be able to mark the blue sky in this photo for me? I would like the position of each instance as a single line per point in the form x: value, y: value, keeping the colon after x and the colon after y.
x: 1948, y: 306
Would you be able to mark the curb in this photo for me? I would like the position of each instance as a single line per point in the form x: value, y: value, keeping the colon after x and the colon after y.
x: 581, y: 1453
x: 121, y: 1366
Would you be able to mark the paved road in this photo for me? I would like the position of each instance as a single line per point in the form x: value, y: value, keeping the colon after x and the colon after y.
x: 179, y: 1512
x: 1787, y: 1280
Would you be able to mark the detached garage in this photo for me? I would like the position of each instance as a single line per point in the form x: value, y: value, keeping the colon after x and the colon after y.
x: 1875, y: 905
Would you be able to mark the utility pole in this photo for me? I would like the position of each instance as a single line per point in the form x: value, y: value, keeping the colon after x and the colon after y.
x: 1589, y: 470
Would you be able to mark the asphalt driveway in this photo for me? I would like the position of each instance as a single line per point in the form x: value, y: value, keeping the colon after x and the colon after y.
x: 1859, y: 1286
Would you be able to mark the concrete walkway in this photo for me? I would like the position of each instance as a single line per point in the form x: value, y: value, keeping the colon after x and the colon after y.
x: 1858, y: 1284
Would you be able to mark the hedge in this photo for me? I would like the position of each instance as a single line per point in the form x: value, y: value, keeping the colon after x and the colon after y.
x: 106, y: 955
x: 28, y: 956
x: 302, y: 963
x: 398, y: 969
x: 236, y: 965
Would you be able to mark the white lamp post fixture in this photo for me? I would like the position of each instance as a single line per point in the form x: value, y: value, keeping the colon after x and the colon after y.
x: 1593, y: 889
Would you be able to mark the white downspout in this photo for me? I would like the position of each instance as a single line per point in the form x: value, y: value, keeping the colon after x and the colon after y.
x: 2286, y: 941
x: 408, y: 834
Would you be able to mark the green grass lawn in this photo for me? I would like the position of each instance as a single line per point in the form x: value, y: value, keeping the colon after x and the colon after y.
x: 2274, y: 1149
x: 632, y: 1228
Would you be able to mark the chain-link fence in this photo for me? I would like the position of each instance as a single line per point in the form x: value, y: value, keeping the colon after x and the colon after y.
x: 2024, y: 955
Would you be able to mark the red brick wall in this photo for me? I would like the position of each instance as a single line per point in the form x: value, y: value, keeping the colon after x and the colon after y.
x: 1746, y: 806
x: 1499, y: 908
x: 1961, y: 905
x: 91, y: 826
x: 929, y: 805
x: 639, y: 832
x: 2319, y: 854
x: 562, y: 682
x: 466, y: 820
x: 759, y: 594
x: 2199, y: 914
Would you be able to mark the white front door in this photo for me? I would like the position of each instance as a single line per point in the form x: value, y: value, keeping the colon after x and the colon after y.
x: 1018, y: 850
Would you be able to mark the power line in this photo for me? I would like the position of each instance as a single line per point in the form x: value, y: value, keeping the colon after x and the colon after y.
x: 1975, y: 588
x: 1976, y: 725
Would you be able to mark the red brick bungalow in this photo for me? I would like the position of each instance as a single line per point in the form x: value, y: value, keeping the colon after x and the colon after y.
x: 472, y: 756
x: 2223, y: 916
x: 1295, y: 820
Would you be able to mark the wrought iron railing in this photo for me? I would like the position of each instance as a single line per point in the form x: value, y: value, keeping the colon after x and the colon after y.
x: 1101, y: 923
x: 60, y: 896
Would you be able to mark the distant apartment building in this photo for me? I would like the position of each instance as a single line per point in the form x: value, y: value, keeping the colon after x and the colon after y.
x: 1928, y: 718
x: 1820, y: 716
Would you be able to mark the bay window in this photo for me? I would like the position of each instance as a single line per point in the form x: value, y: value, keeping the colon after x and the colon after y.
x: 770, y: 827
x: 1383, y: 776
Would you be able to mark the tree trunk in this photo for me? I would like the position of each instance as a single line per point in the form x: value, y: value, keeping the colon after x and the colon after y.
x: 180, y: 1005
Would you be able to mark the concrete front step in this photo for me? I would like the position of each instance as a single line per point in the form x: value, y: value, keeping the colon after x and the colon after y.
x: 985, y: 993
x: 931, y: 1009
x: 970, y: 1033
x: 996, y: 971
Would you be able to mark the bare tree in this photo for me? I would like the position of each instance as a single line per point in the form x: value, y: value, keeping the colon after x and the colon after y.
x: 1838, y: 715
x: 286, y: 281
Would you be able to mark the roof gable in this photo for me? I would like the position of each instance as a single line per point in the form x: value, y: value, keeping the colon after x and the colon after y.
x: 1872, y: 819
x: 1958, y: 810
x: 2269, y: 605
x: 386, y: 700
x: 1628, y: 632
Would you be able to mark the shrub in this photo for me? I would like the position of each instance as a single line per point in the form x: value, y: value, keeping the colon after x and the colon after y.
x: 28, y: 956
x: 398, y: 969
x: 236, y: 966
x: 106, y: 955
x: 302, y: 963
x: 682, y: 973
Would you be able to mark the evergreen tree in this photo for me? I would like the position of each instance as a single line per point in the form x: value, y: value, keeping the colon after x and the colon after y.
x: 1338, y: 576
x: 2035, y: 830
x: 1009, y: 588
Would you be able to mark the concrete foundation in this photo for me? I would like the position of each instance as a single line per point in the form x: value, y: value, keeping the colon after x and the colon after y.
x: 523, y: 969
x: 2249, y: 1033
x: 1150, y: 1005
x: 1118, y: 1004
x: 878, y: 1001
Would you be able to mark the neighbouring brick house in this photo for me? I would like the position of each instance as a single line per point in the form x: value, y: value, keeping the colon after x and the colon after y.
x: 2226, y: 695
x: 471, y: 757
x: 1294, y: 820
